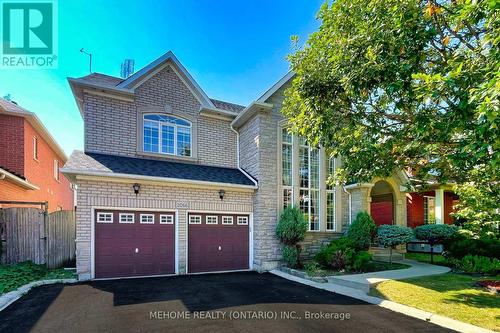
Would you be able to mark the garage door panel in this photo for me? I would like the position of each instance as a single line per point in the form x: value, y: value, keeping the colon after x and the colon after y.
x: 217, y: 247
x: 116, y: 244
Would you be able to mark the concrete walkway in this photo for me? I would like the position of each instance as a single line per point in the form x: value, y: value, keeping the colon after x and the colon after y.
x: 365, y: 281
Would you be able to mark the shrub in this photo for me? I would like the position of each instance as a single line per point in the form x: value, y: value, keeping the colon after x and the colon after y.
x: 341, y: 248
x: 478, y: 264
x: 291, y: 256
x: 291, y: 229
x: 460, y: 246
x: 435, y: 234
x: 360, y: 260
x: 311, y: 268
x: 392, y: 235
x: 341, y: 259
x: 361, y: 231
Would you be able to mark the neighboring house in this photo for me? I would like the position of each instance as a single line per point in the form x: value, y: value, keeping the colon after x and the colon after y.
x: 30, y: 161
x: 173, y: 182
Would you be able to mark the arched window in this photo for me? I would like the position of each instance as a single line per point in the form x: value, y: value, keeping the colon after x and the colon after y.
x: 167, y: 135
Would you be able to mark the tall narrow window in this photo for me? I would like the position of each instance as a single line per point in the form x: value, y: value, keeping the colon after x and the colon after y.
x: 167, y: 135
x: 330, y: 198
x: 286, y: 167
x: 429, y: 207
x: 35, y: 148
x: 56, y: 169
x: 309, y: 183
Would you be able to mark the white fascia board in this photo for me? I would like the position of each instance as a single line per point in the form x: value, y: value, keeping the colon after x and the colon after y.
x: 249, y: 111
x: 76, y: 172
x: 275, y: 87
x: 17, y: 180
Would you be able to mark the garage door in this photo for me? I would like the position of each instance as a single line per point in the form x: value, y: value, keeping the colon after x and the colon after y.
x: 217, y: 242
x: 134, y: 243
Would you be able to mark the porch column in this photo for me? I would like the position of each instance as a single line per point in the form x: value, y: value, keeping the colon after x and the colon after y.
x: 360, y: 198
x: 439, y: 206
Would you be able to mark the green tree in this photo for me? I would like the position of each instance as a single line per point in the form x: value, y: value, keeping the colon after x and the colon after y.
x: 404, y: 84
x: 435, y: 234
x: 290, y: 230
x: 393, y: 235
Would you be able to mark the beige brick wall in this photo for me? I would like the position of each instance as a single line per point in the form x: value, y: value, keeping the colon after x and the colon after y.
x: 110, y: 194
x: 111, y: 125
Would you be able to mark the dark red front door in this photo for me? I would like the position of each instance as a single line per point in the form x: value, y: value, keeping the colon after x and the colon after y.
x: 218, y: 242
x: 382, y: 212
x: 135, y: 243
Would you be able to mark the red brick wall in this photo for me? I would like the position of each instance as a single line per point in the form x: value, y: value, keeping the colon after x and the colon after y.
x: 40, y: 173
x: 415, y: 208
x: 12, y: 144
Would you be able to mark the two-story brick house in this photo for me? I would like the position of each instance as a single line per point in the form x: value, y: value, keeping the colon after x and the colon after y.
x: 30, y: 161
x: 173, y: 182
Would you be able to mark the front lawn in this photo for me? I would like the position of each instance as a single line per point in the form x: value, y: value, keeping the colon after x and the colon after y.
x: 372, y: 266
x: 426, y: 258
x: 14, y: 276
x: 452, y: 295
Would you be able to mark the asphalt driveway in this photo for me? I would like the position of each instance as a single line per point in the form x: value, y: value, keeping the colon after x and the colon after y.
x: 232, y: 302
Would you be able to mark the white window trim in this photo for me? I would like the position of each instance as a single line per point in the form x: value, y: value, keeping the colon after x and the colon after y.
x: 169, y: 218
x: 191, y: 219
x: 210, y: 216
x: 245, y: 218
x: 310, y: 189
x: 227, y: 217
x: 160, y: 135
x: 330, y: 191
x: 35, y: 148
x: 104, y: 214
x: 127, y: 214
x: 147, y: 215
x: 56, y: 170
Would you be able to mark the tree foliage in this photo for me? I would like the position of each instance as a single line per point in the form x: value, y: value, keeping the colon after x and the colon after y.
x: 403, y: 84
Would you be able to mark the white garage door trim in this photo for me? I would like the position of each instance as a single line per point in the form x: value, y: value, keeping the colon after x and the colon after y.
x: 250, y: 238
x: 92, y: 237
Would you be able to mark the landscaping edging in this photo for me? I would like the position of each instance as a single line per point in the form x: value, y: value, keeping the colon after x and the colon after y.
x: 303, y: 275
x: 12, y: 296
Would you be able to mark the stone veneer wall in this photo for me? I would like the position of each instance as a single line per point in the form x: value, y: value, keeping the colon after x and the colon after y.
x: 110, y: 194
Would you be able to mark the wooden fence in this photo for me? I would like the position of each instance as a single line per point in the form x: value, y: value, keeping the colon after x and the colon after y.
x: 32, y: 234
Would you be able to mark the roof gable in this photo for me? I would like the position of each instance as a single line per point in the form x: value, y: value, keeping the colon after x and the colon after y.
x: 141, y: 76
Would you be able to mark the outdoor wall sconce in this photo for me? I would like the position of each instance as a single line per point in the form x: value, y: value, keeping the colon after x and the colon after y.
x: 221, y: 194
x: 136, y: 188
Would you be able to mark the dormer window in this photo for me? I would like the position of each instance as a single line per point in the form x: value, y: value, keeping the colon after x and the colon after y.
x: 165, y: 134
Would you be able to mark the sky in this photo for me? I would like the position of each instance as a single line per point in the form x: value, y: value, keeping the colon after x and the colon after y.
x: 235, y: 50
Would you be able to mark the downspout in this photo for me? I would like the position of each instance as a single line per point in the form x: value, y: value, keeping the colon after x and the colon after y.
x: 350, y: 203
x: 238, y: 155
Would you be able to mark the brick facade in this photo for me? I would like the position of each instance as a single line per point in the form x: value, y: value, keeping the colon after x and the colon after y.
x: 18, y: 157
x: 12, y: 144
x: 111, y: 194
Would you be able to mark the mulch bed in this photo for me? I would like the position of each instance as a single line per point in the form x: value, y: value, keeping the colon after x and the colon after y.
x: 491, y: 285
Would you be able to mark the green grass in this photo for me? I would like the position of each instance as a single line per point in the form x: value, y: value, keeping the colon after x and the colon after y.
x: 451, y: 295
x: 372, y: 266
x: 14, y: 276
x: 426, y: 257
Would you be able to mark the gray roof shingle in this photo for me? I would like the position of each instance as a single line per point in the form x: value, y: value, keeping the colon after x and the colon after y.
x: 93, y: 162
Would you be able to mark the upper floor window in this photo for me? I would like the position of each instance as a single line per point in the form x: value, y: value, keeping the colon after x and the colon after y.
x: 309, y: 183
x: 35, y: 148
x: 56, y: 169
x: 167, y: 135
